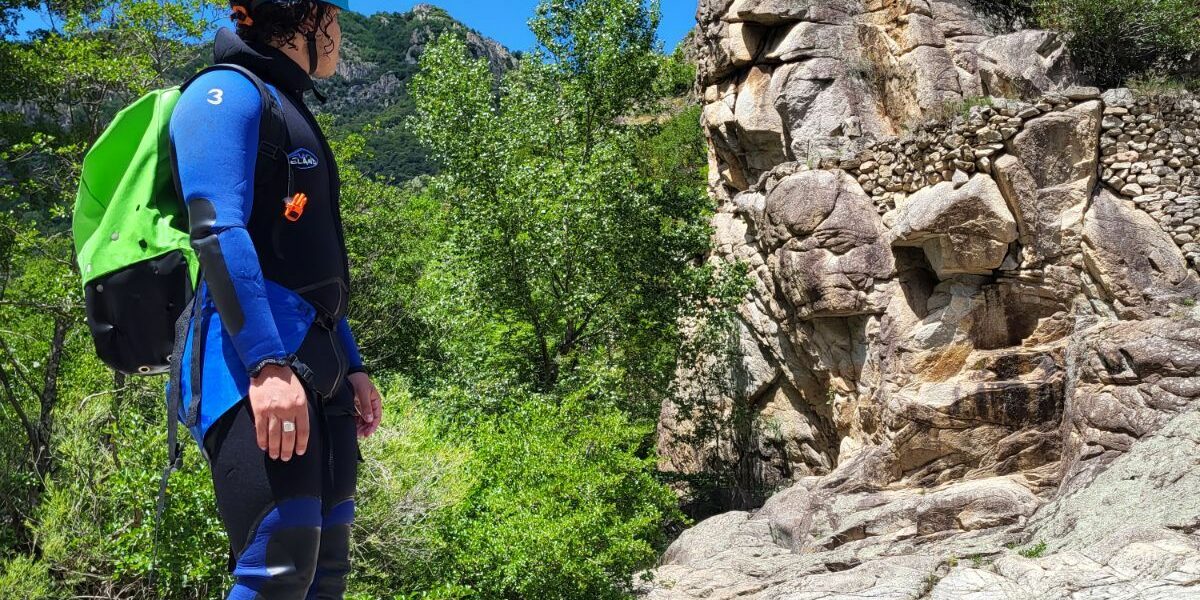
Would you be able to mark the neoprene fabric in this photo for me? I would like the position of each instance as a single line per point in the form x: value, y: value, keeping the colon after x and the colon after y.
x: 127, y: 210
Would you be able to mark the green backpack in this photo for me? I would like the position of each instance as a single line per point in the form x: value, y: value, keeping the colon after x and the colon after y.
x: 131, y: 229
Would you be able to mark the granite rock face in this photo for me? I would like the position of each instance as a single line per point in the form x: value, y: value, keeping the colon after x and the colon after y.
x: 968, y: 366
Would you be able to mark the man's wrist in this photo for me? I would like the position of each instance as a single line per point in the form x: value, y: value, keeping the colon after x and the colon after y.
x: 275, y: 361
x: 270, y: 371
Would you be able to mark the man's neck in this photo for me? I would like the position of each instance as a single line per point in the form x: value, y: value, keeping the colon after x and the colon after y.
x: 297, y: 50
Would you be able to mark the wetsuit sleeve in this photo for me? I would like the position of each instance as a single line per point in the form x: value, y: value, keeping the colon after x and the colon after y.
x: 214, y: 129
x: 352, y: 353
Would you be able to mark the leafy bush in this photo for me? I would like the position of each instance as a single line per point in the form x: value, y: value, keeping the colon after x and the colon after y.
x: 1113, y: 40
x: 1012, y: 14
x: 565, y: 505
x: 413, y: 475
x: 96, y: 521
x: 22, y: 578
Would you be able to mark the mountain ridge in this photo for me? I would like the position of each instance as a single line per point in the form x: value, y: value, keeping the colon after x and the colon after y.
x: 380, y: 55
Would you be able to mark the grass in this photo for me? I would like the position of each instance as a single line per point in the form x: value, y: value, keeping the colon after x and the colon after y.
x: 931, y: 581
x: 1157, y: 84
x: 963, y: 107
x: 864, y: 69
x: 947, y: 112
x: 773, y: 428
x: 1034, y: 551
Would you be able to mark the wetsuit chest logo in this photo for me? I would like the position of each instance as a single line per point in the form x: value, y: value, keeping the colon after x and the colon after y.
x: 303, y: 158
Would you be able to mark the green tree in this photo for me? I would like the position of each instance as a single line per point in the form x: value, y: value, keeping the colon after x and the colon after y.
x: 576, y: 260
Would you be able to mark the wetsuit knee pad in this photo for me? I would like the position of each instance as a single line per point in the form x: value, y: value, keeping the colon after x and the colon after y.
x: 333, y: 560
x: 280, y: 561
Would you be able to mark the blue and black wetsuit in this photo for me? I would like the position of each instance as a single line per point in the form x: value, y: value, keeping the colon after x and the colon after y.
x: 274, y: 291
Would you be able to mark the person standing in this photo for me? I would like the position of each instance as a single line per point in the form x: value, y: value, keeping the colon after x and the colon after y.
x: 278, y: 396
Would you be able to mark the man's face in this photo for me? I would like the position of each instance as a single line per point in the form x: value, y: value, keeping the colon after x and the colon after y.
x: 329, y: 43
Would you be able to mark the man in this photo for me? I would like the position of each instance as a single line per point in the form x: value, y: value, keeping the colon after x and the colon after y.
x: 280, y: 395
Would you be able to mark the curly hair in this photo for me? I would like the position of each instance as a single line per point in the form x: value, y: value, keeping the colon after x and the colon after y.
x: 276, y: 23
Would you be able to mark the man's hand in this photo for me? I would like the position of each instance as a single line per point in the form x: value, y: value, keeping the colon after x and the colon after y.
x: 368, y: 406
x: 276, y: 398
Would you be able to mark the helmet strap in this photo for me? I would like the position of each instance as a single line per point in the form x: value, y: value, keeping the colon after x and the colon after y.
x: 311, y: 37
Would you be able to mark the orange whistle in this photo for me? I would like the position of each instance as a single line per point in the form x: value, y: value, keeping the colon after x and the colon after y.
x: 294, y: 208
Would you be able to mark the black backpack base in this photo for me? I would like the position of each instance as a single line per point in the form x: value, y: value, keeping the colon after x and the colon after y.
x: 132, y: 313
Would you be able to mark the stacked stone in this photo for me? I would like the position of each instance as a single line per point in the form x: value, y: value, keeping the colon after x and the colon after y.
x: 933, y: 153
x: 1150, y: 150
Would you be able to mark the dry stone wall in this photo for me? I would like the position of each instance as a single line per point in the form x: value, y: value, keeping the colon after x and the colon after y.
x: 1149, y: 149
x: 972, y: 324
x: 1151, y: 155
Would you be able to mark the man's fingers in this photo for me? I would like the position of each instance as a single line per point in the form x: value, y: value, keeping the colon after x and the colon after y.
x: 260, y: 430
x: 274, y: 436
x: 302, y: 430
x: 287, y: 444
x: 377, y: 407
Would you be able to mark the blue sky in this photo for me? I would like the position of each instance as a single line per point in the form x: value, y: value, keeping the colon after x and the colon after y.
x: 504, y: 20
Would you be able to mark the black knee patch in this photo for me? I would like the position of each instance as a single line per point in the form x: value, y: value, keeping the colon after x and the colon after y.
x: 281, y: 559
x: 333, y: 560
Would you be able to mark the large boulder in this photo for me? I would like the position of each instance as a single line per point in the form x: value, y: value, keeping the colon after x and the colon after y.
x: 963, y: 229
x: 1048, y: 178
x: 828, y: 244
x: 1136, y: 263
x: 1024, y: 64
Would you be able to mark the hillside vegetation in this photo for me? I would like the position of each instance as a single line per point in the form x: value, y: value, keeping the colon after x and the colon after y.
x: 371, y: 89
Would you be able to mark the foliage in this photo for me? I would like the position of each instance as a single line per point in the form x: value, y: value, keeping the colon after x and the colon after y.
x: 1035, y: 551
x: 23, y: 578
x: 574, y: 257
x: 573, y: 232
x: 379, y: 57
x: 673, y: 154
x: 1012, y: 14
x: 96, y: 523
x: 414, y: 474
x: 392, y: 232
x: 1113, y: 40
x: 1158, y: 84
x: 676, y: 75
x: 563, y: 508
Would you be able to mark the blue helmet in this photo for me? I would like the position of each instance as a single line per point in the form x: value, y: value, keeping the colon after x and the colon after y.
x: 342, y: 4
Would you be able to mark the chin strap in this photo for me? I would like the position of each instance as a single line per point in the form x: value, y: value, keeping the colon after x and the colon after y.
x: 311, y: 37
